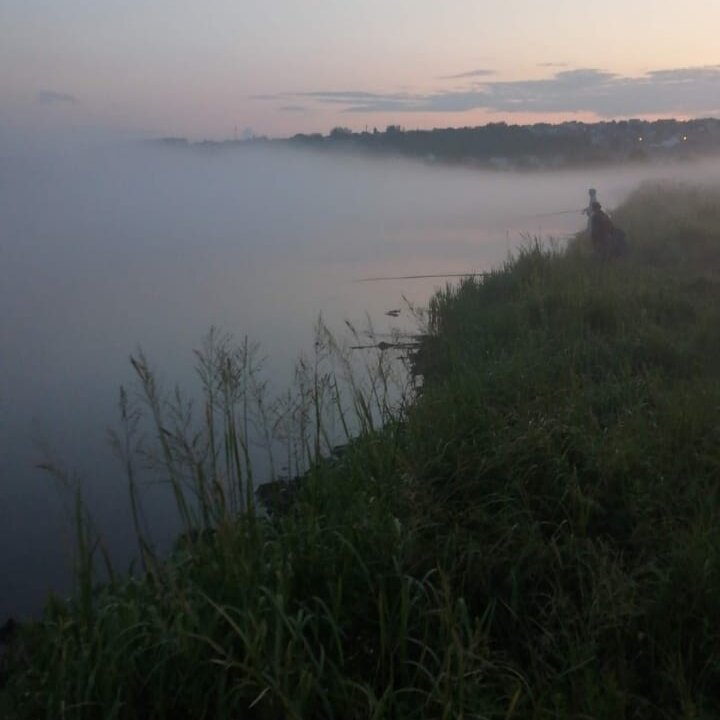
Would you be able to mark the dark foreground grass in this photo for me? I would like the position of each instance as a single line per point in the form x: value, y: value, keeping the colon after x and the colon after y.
x: 537, y: 536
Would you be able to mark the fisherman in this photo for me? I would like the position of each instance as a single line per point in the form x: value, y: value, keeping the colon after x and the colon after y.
x: 592, y: 192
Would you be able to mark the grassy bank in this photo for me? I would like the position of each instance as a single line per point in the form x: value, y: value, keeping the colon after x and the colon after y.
x: 536, y: 536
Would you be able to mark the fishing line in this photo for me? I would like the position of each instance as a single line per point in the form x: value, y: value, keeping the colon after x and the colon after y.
x: 549, y: 214
x: 480, y: 274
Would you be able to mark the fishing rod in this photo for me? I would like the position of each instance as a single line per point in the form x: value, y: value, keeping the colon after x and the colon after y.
x: 550, y: 214
x: 387, y: 346
x: 418, y: 277
x: 478, y: 274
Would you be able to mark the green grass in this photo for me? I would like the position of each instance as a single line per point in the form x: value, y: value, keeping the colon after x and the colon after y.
x: 537, y: 535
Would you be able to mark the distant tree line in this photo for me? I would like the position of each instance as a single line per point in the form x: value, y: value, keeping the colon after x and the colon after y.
x: 503, y: 146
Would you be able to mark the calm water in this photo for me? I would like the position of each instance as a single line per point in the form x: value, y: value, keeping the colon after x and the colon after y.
x: 105, y: 252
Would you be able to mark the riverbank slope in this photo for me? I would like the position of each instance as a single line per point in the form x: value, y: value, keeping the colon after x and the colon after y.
x: 536, y: 536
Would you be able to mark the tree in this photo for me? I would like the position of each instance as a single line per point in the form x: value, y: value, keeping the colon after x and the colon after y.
x: 340, y: 132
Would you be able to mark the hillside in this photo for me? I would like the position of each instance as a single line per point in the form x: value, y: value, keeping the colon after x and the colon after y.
x: 536, y: 536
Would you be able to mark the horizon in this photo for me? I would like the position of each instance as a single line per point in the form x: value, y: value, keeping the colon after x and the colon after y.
x: 326, y: 133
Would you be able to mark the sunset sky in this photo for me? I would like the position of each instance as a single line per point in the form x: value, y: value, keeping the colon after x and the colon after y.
x: 203, y: 69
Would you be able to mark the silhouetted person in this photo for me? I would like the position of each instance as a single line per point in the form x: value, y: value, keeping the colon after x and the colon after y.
x: 592, y: 192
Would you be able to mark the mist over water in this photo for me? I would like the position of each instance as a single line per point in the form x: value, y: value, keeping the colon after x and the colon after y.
x: 106, y: 251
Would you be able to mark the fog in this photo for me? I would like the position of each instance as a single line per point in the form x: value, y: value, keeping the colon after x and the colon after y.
x: 105, y: 251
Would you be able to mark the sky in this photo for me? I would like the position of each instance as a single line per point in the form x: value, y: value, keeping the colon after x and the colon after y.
x: 216, y: 69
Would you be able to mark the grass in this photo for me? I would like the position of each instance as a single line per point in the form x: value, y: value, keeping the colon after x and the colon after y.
x: 537, y: 535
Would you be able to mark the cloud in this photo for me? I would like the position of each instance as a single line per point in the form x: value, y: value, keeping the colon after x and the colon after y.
x: 678, y: 90
x: 293, y: 108
x: 552, y: 64
x: 469, y: 74
x: 50, y: 97
x: 344, y: 96
x: 606, y: 94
